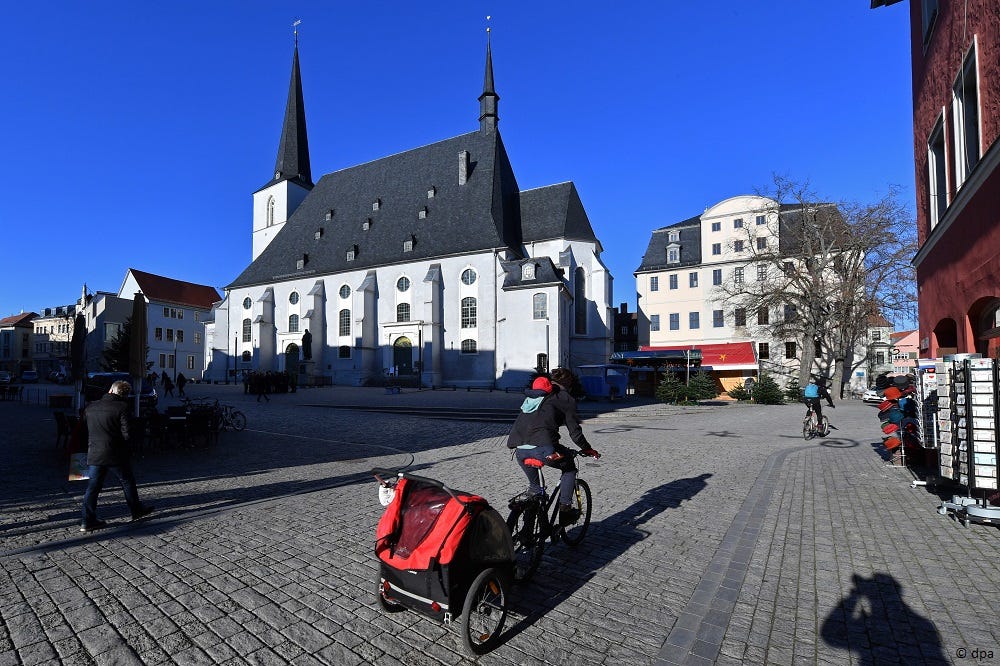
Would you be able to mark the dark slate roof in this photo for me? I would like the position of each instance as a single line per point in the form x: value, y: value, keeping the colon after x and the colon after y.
x: 555, y: 211
x: 292, y: 162
x: 547, y: 274
x: 480, y: 215
x: 655, y: 257
x: 168, y: 290
x: 790, y: 222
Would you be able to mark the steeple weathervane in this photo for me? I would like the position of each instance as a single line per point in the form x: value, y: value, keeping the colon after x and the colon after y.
x: 295, y: 31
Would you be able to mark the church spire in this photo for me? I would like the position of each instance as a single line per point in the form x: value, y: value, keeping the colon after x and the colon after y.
x: 293, y: 151
x: 488, y: 116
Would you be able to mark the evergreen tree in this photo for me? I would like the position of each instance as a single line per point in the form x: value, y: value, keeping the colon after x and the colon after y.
x: 767, y: 392
x: 793, y: 391
x: 116, y: 357
x: 671, y: 389
x: 701, y: 387
x: 739, y: 392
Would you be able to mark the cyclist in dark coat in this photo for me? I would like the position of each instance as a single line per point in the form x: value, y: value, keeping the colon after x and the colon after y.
x: 108, y: 440
x: 535, y: 434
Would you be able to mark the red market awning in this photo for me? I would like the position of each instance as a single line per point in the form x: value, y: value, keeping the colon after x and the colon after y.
x: 720, y: 356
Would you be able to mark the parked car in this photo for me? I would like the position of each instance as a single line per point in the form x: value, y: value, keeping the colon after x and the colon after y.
x: 98, y: 384
x: 4, y: 377
x: 871, y: 395
x: 29, y: 376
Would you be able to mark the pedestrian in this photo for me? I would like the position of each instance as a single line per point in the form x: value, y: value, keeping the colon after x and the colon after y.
x: 181, y: 381
x: 168, y: 385
x: 258, y: 384
x: 109, y: 448
x: 535, y: 434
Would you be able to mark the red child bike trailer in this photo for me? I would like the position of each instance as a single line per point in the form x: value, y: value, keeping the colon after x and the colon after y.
x: 446, y: 554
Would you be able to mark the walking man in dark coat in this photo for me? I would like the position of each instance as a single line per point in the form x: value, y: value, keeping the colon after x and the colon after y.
x: 108, y: 434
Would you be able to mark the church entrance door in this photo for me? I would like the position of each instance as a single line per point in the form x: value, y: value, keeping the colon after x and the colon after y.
x: 402, y: 355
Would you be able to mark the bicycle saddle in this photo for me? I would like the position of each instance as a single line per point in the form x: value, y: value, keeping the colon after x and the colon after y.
x: 534, y: 462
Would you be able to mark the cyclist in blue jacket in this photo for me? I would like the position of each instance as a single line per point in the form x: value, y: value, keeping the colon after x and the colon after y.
x: 814, y: 393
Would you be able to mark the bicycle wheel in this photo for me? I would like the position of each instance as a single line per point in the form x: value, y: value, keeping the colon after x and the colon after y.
x: 238, y: 420
x: 824, y: 428
x: 485, y: 611
x: 529, y: 544
x: 807, y: 428
x: 573, y: 534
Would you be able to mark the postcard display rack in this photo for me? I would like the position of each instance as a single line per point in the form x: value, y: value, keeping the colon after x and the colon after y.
x: 968, y: 437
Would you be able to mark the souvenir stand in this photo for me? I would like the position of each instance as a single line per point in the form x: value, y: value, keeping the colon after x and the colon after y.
x: 968, y: 437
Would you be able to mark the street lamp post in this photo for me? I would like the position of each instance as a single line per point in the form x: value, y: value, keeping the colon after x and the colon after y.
x: 175, y: 357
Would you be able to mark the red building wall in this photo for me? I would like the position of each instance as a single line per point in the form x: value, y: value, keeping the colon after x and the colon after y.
x: 958, y: 265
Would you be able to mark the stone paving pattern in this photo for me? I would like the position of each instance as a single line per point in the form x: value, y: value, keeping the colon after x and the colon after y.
x: 718, y: 536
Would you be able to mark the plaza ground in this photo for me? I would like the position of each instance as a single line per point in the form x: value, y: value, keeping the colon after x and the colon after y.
x: 718, y: 536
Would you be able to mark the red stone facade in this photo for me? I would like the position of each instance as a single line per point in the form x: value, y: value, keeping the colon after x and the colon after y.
x: 958, y: 264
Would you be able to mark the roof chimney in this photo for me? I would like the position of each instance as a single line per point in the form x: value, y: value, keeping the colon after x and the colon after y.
x: 463, y: 167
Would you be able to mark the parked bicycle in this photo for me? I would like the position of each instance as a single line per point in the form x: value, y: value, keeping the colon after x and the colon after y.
x: 534, y: 519
x: 225, y: 417
x: 812, y: 426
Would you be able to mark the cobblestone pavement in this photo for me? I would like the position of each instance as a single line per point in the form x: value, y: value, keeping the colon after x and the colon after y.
x: 718, y: 535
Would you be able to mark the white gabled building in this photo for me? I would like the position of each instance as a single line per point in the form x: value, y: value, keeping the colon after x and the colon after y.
x: 430, y: 263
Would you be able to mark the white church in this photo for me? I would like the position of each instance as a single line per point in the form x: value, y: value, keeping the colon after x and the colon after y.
x: 429, y: 267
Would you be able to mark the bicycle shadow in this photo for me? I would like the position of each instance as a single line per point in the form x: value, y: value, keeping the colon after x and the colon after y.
x: 871, y: 617
x: 552, y: 584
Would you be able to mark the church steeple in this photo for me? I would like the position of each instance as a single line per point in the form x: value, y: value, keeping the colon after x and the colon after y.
x: 488, y: 116
x: 293, y: 151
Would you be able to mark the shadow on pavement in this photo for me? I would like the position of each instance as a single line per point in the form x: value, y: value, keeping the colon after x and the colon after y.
x: 555, y: 581
x: 873, y: 617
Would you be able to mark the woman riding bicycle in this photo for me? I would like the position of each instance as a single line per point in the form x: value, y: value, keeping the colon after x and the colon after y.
x: 814, y: 393
x: 549, y: 405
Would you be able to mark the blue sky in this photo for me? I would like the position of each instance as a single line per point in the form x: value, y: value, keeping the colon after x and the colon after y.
x: 136, y: 132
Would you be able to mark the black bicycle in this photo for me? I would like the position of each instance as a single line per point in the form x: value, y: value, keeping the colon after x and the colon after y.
x: 534, y: 519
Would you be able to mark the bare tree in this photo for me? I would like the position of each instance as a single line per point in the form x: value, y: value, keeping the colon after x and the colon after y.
x: 817, y: 273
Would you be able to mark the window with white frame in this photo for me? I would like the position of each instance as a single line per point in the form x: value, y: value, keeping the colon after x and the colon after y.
x: 654, y: 283
x: 716, y: 249
x: 468, y: 276
x: 270, y: 211
x: 654, y: 322
x: 740, y: 317
x: 672, y: 280
x: 716, y: 276
x: 246, y: 330
x: 694, y: 320
x: 403, y: 312
x: 738, y: 275
x: 716, y: 226
x: 293, y: 324
x: 673, y: 255
x: 761, y: 272
x: 738, y: 246
x: 937, y: 174
x: 965, y: 109
x: 763, y: 316
x: 345, y: 291
x: 468, y: 346
x: 539, y: 306
x: 343, y: 351
x: 738, y: 223
x: 718, y: 320
x: 693, y: 279
x: 469, y: 315
x: 675, y: 321
x: 761, y: 243
x: 673, y: 236
x: 344, y: 322
x: 761, y: 220
x: 763, y: 350
x: 789, y: 350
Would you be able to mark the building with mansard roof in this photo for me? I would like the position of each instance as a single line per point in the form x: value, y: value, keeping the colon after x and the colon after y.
x: 430, y: 265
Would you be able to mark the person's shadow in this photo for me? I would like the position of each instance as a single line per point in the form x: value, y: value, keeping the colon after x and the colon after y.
x: 556, y: 581
x: 874, y: 617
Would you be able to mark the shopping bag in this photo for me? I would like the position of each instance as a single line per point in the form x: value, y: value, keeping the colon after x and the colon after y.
x: 78, y: 467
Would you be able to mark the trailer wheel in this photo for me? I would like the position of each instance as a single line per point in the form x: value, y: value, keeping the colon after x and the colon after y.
x: 485, y: 611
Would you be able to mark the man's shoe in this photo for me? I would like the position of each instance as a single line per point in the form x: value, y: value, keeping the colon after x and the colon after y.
x: 99, y: 525
x: 143, y: 512
x: 568, y: 515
